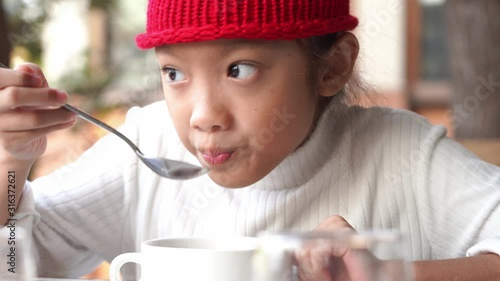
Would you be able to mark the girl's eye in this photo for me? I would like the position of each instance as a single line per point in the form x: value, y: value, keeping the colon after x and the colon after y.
x: 173, y: 75
x: 241, y: 71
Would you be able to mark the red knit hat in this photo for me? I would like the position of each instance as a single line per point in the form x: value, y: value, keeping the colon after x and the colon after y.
x: 182, y: 21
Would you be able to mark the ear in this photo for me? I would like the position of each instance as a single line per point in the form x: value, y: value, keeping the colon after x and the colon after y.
x: 339, y: 64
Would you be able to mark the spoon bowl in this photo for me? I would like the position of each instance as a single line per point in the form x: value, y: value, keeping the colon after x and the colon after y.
x: 172, y: 169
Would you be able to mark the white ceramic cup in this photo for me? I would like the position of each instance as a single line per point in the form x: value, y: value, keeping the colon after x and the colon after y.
x: 191, y: 259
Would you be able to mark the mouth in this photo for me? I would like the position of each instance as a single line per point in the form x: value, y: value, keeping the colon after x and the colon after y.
x: 216, y: 157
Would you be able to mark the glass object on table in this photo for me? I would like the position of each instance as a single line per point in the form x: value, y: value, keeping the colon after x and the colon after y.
x: 17, y: 260
x: 339, y: 256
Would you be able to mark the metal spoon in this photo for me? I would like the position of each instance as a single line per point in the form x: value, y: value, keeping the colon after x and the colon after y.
x: 164, y: 167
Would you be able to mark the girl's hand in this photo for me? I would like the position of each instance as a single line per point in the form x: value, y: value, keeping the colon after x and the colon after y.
x: 331, y: 261
x: 29, y: 110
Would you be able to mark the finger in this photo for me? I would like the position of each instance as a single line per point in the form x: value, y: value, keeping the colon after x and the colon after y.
x: 312, y: 261
x: 334, y: 223
x: 15, y: 97
x: 338, y: 270
x: 13, y: 141
x: 35, y: 70
x: 17, y: 121
x: 9, y: 77
x: 319, y: 264
x: 311, y: 267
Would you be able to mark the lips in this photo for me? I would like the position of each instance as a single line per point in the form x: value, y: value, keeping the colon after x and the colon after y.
x: 216, y: 158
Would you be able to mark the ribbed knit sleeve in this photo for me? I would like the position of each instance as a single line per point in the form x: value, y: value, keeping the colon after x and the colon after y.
x: 84, y: 208
x: 440, y: 195
x: 459, y: 198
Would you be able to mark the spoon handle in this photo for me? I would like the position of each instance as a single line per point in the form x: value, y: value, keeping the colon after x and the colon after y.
x: 97, y: 122
x: 101, y: 124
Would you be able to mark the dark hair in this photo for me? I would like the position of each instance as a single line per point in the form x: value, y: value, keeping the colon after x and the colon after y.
x: 356, y: 91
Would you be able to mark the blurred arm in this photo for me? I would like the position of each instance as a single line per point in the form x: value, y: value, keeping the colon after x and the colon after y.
x: 484, y: 267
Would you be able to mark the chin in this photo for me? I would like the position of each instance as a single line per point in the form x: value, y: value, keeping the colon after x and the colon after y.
x: 227, y: 180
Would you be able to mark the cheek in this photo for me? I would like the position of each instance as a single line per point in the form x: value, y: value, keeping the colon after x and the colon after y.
x: 180, y: 118
x: 295, y: 108
x: 293, y: 124
x: 285, y: 126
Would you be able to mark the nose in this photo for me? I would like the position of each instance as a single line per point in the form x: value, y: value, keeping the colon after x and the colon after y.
x: 210, y: 114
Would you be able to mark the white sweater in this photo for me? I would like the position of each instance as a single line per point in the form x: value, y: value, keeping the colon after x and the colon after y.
x: 379, y: 168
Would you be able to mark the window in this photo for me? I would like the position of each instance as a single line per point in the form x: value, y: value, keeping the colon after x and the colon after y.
x: 427, y: 55
x: 433, y: 42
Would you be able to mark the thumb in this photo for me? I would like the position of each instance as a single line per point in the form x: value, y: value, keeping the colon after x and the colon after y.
x: 33, y: 69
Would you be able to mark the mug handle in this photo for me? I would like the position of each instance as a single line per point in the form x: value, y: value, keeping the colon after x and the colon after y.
x: 119, y: 261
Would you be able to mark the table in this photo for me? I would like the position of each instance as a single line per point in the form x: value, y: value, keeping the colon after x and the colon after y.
x: 62, y: 279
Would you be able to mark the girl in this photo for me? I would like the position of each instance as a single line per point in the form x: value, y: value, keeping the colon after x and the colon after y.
x: 258, y: 92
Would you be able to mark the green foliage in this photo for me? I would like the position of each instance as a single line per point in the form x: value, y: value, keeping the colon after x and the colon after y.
x: 102, y: 4
x: 25, y: 21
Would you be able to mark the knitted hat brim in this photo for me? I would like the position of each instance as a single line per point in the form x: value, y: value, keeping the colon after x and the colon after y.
x: 297, y: 30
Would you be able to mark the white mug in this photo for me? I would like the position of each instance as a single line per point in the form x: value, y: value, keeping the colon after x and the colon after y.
x: 191, y: 259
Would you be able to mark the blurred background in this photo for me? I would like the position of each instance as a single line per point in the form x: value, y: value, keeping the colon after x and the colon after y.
x: 438, y: 58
